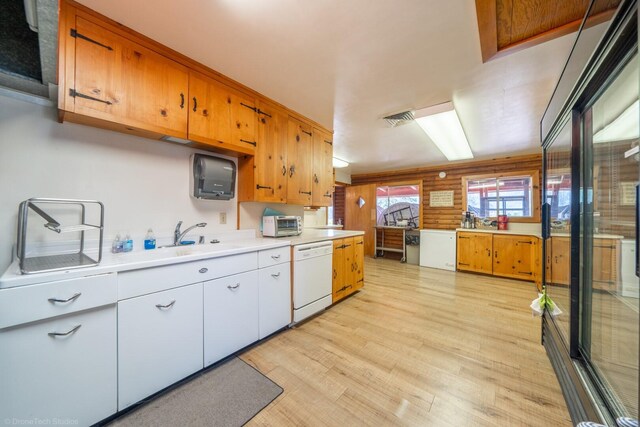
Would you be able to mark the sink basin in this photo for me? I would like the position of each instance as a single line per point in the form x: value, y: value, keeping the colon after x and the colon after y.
x: 181, y: 250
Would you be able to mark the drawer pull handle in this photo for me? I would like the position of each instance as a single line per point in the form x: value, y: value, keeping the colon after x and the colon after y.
x: 275, y: 256
x: 203, y: 270
x: 233, y: 287
x: 276, y: 275
x: 64, y: 334
x: 72, y: 298
x: 160, y: 306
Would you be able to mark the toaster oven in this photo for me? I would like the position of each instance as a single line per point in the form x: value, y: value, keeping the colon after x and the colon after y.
x: 281, y: 226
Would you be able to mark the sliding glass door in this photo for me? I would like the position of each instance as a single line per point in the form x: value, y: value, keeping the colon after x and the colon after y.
x: 608, y: 303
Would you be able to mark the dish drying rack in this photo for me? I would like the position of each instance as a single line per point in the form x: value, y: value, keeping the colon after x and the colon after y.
x: 58, y: 261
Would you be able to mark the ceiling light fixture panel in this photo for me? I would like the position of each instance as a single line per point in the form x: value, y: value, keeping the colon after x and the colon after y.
x: 339, y: 163
x: 441, y: 123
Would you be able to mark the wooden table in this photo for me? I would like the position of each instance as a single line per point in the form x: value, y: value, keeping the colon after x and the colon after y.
x: 382, y: 248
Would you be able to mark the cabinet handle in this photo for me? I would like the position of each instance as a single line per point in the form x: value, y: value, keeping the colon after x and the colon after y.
x: 489, y: 253
x: 292, y: 170
x: 305, y: 192
x: 203, y: 270
x: 64, y: 334
x: 328, y: 195
x: 72, y: 298
x: 352, y: 267
x: 182, y: 100
x: 335, y: 273
x: 233, y: 287
x: 195, y: 104
x: 160, y: 306
x: 275, y: 276
x: 284, y: 170
x: 315, y: 178
x: 275, y: 256
x: 261, y: 187
x: 496, y: 254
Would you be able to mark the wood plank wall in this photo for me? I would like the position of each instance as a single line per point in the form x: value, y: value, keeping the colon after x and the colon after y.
x: 338, y: 203
x: 447, y: 218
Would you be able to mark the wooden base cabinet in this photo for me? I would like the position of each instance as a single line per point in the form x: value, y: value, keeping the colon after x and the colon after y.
x: 348, y: 266
x: 474, y: 252
x: 159, y: 341
x: 68, y: 377
x: 504, y: 255
x: 231, y: 315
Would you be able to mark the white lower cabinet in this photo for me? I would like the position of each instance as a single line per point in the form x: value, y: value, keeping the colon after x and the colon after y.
x: 275, y: 298
x: 230, y: 315
x: 69, y: 378
x: 159, y: 341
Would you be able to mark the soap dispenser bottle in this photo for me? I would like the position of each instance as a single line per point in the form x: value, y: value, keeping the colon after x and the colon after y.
x: 150, y: 240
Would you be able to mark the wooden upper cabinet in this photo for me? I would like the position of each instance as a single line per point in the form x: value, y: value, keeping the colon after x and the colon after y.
x: 300, y: 164
x: 220, y: 116
x: 120, y: 81
x: 322, y: 180
x: 267, y: 173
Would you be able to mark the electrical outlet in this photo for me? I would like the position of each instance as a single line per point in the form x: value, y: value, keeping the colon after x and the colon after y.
x: 223, y: 217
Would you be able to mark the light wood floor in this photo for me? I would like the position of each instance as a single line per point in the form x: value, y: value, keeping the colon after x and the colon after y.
x: 416, y: 346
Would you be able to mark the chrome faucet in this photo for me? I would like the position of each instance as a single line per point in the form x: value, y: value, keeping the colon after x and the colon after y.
x: 177, y: 235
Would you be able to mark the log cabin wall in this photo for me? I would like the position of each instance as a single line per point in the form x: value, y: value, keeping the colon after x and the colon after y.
x: 447, y: 218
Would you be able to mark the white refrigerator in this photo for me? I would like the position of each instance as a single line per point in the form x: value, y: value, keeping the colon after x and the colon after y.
x: 438, y: 249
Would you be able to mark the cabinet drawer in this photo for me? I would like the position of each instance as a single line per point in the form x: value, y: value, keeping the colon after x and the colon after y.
x: 36, y: 302
x: 274, y: 256
x: 230, y: 315
x: 159, y: 341
x: 70, y: 377
x: 274, y: 285
x: 149, y: 280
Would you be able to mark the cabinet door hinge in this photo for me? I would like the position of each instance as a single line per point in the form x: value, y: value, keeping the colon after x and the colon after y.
x: 259, y: 111
x: 249, y: 142
x: 73, y: 93
x: 255, y: 110
x: 77, y: 35
x: 328, y: 142
x: 308, y: 133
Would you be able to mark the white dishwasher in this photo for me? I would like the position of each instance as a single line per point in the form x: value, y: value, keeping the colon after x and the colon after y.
x: 311, y: 278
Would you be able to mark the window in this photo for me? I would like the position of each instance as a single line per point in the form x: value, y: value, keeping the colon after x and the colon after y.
x: 398, y: 203
x: 512, y: 195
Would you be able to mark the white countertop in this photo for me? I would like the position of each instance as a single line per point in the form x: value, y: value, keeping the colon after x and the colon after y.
x: 139, y: 259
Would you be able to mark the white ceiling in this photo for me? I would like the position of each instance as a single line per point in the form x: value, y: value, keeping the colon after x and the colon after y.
x: 346, y: 64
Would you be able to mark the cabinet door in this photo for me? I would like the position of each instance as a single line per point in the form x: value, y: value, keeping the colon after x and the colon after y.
x: 358, y: 260
x: 299, y: 157
x: 274, y: 285
x: 560, y: 260
x: 483, y: 244
x: 604, y: 264
x: 230, y: 315
x: 220, y: 116
x: 70, y: 377
x: 159, y: 341
x: 270, y: 168
x: 465, y: 252
x: 339, y: 273
x: 349, y: 265
x: 322, y: 180
x: 120, y: 81
x: 513, y: 256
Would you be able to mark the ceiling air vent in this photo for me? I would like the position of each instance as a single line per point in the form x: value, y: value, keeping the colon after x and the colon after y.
x: 399, y: 119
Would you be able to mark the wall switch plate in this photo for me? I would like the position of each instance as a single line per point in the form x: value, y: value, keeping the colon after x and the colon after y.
x: 223, y: 217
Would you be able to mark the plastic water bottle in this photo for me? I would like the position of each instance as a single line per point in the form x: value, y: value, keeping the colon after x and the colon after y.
x: 150, y: 240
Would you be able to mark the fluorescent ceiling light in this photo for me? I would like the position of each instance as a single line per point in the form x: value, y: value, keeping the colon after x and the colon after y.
x: 442, y: 125
x: 624, y: 127
x: 339, y: 163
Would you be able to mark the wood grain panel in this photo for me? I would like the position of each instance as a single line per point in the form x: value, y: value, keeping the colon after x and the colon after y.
x: 448, y: 218
x: 506, y: 26
x: 361, y: 218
